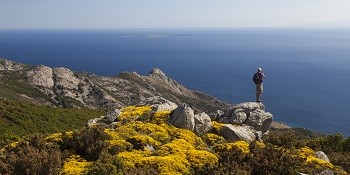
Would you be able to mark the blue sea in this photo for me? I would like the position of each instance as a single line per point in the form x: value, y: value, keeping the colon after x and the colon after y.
x: 308, y: 70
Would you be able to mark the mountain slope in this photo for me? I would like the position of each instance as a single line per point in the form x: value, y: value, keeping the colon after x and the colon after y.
x: 64, y: 88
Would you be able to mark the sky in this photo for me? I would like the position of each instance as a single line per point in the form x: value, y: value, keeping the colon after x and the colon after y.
x: 57, y: 14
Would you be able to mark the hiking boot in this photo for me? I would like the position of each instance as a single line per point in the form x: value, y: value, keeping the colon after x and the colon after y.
x: 258, y: 101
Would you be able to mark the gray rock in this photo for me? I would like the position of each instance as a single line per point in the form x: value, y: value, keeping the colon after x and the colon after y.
x: 100, y: 121
x: 202, y: 124
x: 40, y: 76
x: 238, y: 117
x: 260, y: 120
x: 105, y: 121
x: 213, y: 116
x: 321, y: 155
x: 183, y: 117
x: 249, y: 113
x: 10, y: 65
x: 235, y: 133
x: 249, y: 106
x: 112, y: 115
x: 158, y: 103
x: 327, y: 172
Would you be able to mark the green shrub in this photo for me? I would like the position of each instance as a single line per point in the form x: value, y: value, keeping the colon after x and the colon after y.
x: 87, y: 142
x: 31, y: 156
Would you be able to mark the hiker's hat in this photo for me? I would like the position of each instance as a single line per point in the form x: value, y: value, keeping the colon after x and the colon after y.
x: 259, y: 69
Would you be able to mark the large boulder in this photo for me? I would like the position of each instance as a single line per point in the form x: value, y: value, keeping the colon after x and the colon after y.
x: 321, y: 155
x: 112, y: 115
x: 235, y: 133
x: 249, y: 113
x: 184, y: 117
x: 260, y: 120
x: 158, y: 104
x: 202, y: 123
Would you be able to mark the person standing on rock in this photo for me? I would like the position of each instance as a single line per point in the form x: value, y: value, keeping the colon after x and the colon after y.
x: 258, y: 80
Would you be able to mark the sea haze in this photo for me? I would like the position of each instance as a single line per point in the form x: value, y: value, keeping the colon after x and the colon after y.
x: 308, y: 70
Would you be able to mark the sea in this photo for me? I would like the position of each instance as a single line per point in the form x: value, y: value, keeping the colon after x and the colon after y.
x: 307, y: 70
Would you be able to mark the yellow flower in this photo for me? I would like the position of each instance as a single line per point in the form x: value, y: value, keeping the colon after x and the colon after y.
x: 160, y: 117
x: 133, y: 112
x: 241, y: 145
x: 200, y: 158
x: 75, y: 165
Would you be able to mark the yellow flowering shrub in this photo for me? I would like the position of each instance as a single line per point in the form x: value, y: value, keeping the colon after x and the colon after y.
x: 177, y: 146
x: 160, y: 117
x: 155, y: 131
x: 260, y: 145
x: 167, y: 165
x: 309, y: 155
x: 189, y: 136
x: 57, y: 137
x: 217, y: 126
x: 122, y: 132
x: 75, y: 165
x: 119, y: 146
x: 139, y: 141
x: 200, y: 158
x: 129, y: 159
x: 241, y: 145
x: 212, y: 139
x: 305, y: 152
x: 133, y: 112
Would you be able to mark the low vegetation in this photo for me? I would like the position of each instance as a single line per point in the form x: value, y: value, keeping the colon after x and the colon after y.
x: 19, y: 119
x: 143, y: 143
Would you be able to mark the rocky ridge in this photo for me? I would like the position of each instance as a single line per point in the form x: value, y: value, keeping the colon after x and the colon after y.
x: 65, y: 88
x: 256, y: 123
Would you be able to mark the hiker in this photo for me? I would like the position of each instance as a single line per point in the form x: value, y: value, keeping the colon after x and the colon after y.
x: 258, y: 80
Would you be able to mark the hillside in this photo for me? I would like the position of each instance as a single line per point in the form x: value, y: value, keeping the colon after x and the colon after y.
x: 62, y: 87
x: 20, y: 118
x: 48, y: 125
x: 141, y: 141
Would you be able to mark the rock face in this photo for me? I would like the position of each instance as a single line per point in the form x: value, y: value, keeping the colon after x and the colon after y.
x: 185, y: 118
x: 40, y: 76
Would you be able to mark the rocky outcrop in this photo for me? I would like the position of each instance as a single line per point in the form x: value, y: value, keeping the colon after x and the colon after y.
x: 158, y: 104
x: 11, y: 65
x: 40, y: 76
x: 246, y: 121
x: 249, y: 113
x: 185, y: 118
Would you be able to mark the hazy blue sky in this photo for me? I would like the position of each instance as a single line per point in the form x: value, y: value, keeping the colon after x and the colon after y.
x: 173, y: 13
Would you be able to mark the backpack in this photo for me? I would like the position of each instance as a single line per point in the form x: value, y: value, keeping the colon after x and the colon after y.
x: 256, y: 78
